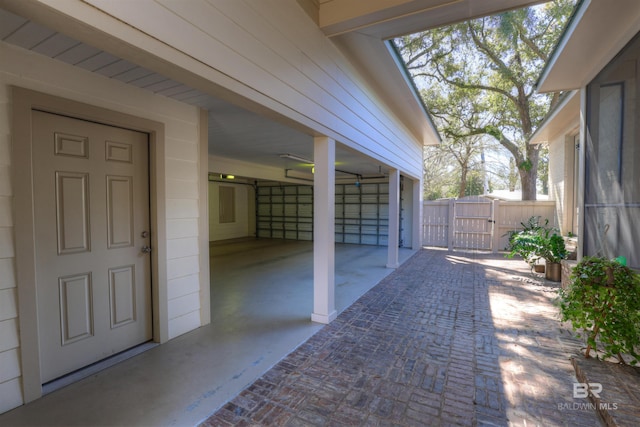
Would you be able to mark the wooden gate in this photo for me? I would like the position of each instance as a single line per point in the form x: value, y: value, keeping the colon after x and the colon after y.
x: 473, y: 223
x: 478, y: 223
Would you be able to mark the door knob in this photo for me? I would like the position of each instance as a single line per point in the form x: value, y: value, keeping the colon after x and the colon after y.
x: 146, y: 249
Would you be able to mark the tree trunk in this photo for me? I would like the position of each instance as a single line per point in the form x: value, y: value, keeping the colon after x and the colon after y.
x: 528, y: 181
x: 463, y: 182
x: 529, y: 172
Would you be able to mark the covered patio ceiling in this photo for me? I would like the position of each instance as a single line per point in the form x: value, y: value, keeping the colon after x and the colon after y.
x: 242, y: 131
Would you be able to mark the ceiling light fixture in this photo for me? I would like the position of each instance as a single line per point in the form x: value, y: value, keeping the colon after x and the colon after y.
x: 296, y: 157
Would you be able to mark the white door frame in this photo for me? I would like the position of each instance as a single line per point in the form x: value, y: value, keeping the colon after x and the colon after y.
x: 24, y: 101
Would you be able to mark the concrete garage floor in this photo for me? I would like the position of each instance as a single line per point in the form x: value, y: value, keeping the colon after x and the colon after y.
x: 261, y: 303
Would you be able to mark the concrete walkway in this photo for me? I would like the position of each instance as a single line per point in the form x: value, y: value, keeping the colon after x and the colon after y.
x: 261, y: 304
x: 448, y: 339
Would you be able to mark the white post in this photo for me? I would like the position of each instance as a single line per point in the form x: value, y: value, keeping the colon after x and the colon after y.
x: 394, y: 219
x: 451, y: 223
x: 324, y: 158
x: 418, y: 220
x: 496, y: 226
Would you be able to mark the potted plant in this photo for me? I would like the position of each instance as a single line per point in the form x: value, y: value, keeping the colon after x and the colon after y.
x: 539, y: 241
x: 553, y: 250
x: 524, y: 242
x: 603, y: 300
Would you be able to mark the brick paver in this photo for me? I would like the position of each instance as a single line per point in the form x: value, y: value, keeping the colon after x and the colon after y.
x: 449, y: 338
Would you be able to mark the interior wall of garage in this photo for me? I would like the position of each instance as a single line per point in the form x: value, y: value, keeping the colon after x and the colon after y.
x: 182, y: 159
x: 244, y: 218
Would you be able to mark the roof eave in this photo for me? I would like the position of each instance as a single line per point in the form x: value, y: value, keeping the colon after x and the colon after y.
x: 594, y: 36
x: 563, y: 116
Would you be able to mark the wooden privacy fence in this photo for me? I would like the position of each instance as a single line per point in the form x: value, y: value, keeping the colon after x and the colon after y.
x: 479, y: 223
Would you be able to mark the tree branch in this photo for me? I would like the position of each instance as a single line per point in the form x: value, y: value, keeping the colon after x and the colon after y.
x: 506, y: 71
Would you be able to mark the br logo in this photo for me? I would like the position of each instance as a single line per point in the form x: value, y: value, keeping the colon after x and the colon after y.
x: 582, y: 390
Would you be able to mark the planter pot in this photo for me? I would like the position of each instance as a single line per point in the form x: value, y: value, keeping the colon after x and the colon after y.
x: 553, y: 271
x: 538, y: 268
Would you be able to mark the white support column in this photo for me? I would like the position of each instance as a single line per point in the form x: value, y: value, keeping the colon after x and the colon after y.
x: 394, y: 219
x: 324, y: 307
x: 582, y: 153
x: 418, y: 222
x: 451, y: 224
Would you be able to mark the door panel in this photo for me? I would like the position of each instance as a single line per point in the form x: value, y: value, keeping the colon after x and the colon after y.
x: 76, y: 307
x: 72, y: 211
x: 122, y: 287
x: 119, y: 211
x: 91, y: 191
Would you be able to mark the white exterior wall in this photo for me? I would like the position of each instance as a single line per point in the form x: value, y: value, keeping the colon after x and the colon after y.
x: 10, y: 386
x: 561, y: 176
x: 557, y: 187
x: 269, y: 53
x: 243, y: 208
x: 182, y: 162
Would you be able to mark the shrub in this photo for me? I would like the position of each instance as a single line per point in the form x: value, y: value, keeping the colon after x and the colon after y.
x: 536, y: 241
x: 603, y: 300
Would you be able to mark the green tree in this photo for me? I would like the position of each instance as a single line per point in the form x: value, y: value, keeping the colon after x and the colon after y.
x: 478, y: 77
x: 466, y: 152
x: 513, y: 176
x: 454, y: 169
x: 439, y: 173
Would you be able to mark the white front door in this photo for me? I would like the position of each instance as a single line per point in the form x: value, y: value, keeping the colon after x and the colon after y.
x: 91, y: 199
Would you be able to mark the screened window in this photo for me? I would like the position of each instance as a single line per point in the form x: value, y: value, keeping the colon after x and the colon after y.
x: 612, y: 199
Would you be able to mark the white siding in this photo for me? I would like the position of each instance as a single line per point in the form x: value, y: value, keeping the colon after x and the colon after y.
x: 181, y: 121
x: 275, y: 56
x: 238, y: 228
x: 561, y: 176
x: 10, y: 391
x: 557, y: 187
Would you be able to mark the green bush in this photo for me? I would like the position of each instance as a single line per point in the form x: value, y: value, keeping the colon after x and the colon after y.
x: 603, y: 300
x: 536, y: 241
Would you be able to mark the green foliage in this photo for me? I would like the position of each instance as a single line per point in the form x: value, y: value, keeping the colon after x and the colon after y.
x: 478, y: 78
x: 526, y: 165
x: 543, y: 170
x: 453, y: 170
x: 603, y: 300
x: 475, y: 184
x: 536, y: 241
x: 554, y: 249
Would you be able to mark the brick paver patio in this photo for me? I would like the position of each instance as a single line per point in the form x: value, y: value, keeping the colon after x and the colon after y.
x: 449, y: 338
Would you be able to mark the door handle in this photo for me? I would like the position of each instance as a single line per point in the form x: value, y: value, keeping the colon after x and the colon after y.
x: 146, y: 249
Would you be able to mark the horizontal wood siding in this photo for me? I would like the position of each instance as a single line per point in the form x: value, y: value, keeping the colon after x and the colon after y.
x: 32, y: 71
x: 274, y: 49
x: 10, y: 390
